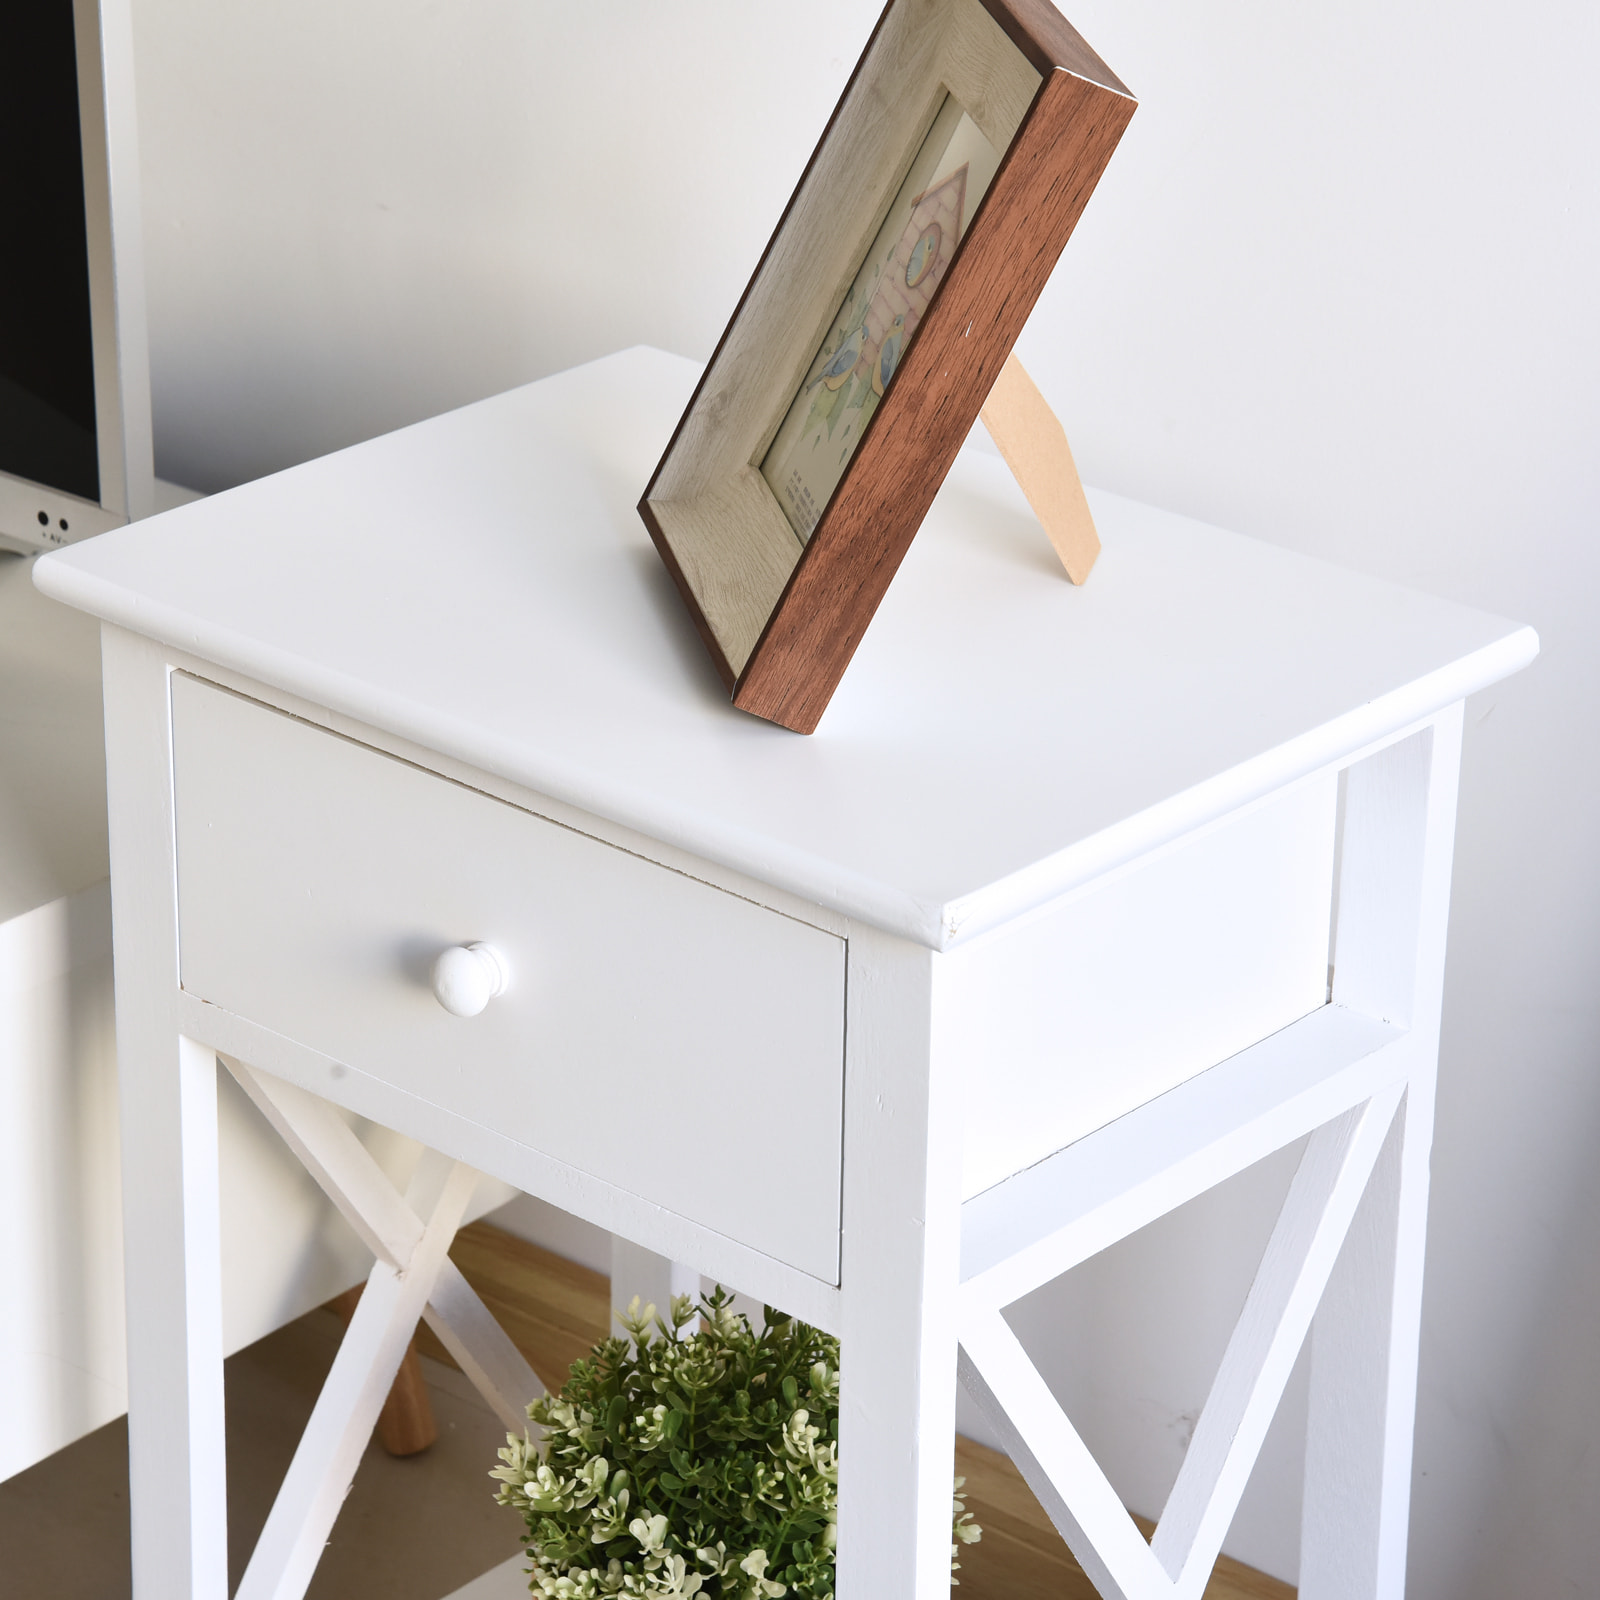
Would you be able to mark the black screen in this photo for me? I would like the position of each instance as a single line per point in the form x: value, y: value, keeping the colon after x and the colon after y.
x: 47, y: 422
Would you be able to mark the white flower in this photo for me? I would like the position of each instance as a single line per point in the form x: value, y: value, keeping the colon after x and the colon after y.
x: 651, y: 1535
x: 760, y: 1587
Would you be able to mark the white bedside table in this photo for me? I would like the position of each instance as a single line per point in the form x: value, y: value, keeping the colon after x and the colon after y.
x: 1029, y: 944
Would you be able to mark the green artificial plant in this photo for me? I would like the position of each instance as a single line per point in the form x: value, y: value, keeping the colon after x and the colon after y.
x: 685, y: 1462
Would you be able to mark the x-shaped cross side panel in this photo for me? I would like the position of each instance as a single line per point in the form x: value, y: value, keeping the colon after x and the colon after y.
x: 412, y: 1278
x: 1300, y: 1256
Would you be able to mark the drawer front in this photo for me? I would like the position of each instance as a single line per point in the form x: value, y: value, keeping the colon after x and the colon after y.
x: 664, y: 1035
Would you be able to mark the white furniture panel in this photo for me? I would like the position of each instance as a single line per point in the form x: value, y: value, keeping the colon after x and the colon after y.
x: 1082, y: 1012
x: 62, y: 1353
x: 655, y: 1029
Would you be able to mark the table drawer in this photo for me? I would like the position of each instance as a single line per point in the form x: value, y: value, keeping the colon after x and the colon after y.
x: 659, y: 1033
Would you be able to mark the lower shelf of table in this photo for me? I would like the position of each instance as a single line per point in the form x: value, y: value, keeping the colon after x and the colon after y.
x: 554, y: 1310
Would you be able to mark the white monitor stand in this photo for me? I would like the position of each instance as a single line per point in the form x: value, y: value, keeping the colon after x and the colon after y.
x: 66, y: 473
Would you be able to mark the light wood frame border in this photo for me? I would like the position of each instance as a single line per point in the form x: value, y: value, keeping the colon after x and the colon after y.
x: 782, y: 619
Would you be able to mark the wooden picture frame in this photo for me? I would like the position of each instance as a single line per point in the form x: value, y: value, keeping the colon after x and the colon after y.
x: 780, y: 615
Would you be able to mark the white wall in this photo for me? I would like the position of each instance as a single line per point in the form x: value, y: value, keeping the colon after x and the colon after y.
x: 1338, y: 291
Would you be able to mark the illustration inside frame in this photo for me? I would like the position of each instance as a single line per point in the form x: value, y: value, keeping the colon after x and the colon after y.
x: 869, y: 333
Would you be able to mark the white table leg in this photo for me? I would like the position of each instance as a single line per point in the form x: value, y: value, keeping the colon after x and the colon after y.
x: 176, y: 1454
x: 901, y: 1258
x: 1389, y: 962
x: 168, y: 1092
x: 1358, y: 1462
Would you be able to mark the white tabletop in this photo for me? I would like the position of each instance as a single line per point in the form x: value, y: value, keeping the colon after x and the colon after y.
x: 481, y: 583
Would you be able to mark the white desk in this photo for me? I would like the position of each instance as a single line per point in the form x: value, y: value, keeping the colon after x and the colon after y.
x: 1026, y: 946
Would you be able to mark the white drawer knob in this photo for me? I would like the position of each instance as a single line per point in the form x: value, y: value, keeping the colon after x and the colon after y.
x: 467, y: 977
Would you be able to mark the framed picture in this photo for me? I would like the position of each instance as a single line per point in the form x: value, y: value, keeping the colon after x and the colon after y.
x: 925, y: 226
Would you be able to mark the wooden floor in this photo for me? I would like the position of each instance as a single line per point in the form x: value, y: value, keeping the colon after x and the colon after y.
x: 555, y: 1311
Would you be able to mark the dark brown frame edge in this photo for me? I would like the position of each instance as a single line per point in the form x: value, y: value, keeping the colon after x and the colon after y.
x: 1045, y: 179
